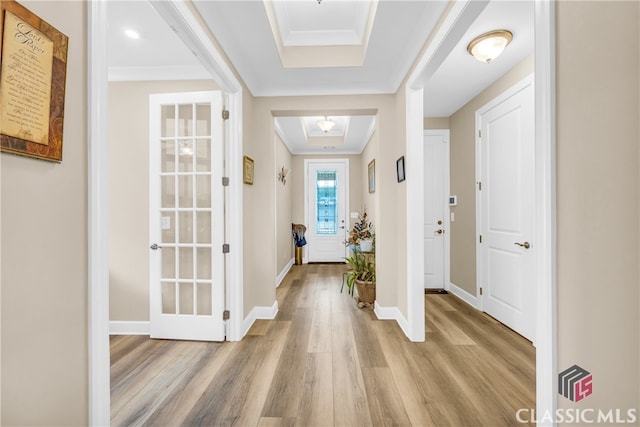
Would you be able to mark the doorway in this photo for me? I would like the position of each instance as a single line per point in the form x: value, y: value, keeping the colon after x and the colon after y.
x: 326, y: 206
x: 436, y: 211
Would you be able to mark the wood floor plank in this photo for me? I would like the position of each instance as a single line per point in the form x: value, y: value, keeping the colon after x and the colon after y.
x: 316, y: 403
x: 325, y: 362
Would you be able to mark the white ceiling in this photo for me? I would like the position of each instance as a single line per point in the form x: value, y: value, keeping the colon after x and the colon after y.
x: 245, y: 29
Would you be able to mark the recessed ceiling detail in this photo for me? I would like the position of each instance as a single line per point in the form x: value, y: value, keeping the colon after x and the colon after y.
x: 302, y: 135
x: 308, y: 34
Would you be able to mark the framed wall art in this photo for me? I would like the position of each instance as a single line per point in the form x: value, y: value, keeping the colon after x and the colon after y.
x: 247, y: 176
x: 400, y: 169
x: 32, y: 84
x: 372, y: 176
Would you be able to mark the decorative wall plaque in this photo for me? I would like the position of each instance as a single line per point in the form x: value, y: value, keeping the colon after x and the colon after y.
x: 32, y: 84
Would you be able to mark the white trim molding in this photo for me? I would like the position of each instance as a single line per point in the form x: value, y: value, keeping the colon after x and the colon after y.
x: 267, y: 313
x: 392, y: 313
x: 168, y: 72
x: 98, y: 196
x: 464, y: 295
x: 284, y: 272
x: 118, y: 327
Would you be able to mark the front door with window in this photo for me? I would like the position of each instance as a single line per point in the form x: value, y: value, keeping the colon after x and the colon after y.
x: 326, y: 210
x: 186, y: 278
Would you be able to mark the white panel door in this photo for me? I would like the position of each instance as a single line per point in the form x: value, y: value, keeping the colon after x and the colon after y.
x: 186, y: 216
x: 506, y: 198
x: 326, y: 209
x: 434, y: 209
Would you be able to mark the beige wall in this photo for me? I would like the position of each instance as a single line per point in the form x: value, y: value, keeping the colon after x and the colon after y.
x: 463, y: 229
x: 368, y: 200
x: 436, y: 123
x: 44, y: 258
x: 284, y: 240
x: 129, y: 193
x: 598, y: 196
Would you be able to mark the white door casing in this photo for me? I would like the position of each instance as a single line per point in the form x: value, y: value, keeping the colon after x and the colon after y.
x: 326, y: 217
x: 506, y: 206
x: 187, y: 274
x: 436, y: 212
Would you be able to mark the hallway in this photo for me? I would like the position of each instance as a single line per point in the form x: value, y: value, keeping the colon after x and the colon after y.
x: 324, y: 362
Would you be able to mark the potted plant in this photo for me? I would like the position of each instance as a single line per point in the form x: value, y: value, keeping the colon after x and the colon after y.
x: 361, y: 235
x: 361, y: 276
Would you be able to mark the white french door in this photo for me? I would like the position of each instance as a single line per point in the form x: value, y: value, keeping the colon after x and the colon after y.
x: 186, y: 216
x: 435, y: 207
x: 326, y: 209
x: 506, y: 208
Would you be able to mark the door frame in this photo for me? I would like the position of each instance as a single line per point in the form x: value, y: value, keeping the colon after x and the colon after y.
x: 452, y: 28
x: 187, y: 26
x: 447, y: 192
x: 307, y: 162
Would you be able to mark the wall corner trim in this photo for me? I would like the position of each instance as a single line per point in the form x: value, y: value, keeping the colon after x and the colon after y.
x: 392, y: 313
x: 118, y: 327
x: 258, y: 312
x: 284, y: 272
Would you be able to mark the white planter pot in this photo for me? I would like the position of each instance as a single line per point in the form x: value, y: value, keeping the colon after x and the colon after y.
x: 366, y: 245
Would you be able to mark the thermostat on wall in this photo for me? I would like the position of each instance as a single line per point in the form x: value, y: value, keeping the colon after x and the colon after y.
x: 453, y: 200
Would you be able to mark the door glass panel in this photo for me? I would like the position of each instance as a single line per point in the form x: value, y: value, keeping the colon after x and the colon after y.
x: 186, y: 263
x: 168, y: 191
x: 168, y: 162
x: 203, y: 221
x: 185, y: 220
x: 204, y: 263
x: 185, y: 120
x: 203, y: 188
x: 168, y: 263
x: 326, y: 206
x: 168, y: 124
x: 185, y: 191
x: 186, y: 298
x: 167, y: 225
x: 204, y: 299
x: 168, y: 293
x: 203, y: 120
x: 203, y: 155
x: 185, y: 155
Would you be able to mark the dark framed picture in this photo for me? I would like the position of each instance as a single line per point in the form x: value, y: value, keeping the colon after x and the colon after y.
x: 372, y: 176
x: 247, y: 176
x: 400, y: 169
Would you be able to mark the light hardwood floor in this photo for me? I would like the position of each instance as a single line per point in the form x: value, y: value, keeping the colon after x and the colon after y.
x: 324, y: 362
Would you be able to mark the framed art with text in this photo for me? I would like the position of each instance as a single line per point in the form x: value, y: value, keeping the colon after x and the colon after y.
x: 32, y: 84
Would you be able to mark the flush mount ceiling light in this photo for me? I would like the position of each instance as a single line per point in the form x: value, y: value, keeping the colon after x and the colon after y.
x: 132, y: 34
x: 326, y: 125
x: 488, y: 46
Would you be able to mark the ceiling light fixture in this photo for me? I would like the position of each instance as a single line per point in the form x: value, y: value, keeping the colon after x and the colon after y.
x: 326, y: 125
x: 488, y: 46
x: 131, y: 34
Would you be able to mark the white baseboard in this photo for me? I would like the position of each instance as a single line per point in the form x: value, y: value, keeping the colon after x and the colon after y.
x: 464, y: 295
x: 259, y: 313
x: 392, y: 313
x: 284, y: 271
x: 117, y: 327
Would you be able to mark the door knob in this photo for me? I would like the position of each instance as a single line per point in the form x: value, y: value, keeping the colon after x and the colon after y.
x: 155, y: 247
x: 525, y: 245
x: 439, y: 231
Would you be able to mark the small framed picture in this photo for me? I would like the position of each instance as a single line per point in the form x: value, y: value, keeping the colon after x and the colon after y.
x: 247, y: 176
x: 372, y: 176
x: 400, y: 169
